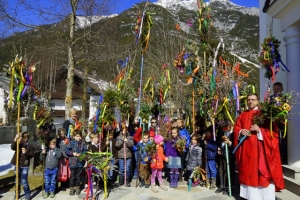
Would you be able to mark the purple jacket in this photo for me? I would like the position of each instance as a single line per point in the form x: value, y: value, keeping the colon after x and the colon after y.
x: 171, y: 149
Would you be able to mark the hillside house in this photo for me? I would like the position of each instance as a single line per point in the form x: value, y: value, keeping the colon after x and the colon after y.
x: 95, y: 87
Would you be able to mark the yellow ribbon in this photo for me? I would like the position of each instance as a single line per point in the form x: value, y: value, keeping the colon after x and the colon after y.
x: 119, y: 84
x: 34, y: 112
x: 285, y: 122
x: 11, y: 85
x: 103, y: 110
x: 165, y: 94
x: 271, y: 124
x: 148, y: 81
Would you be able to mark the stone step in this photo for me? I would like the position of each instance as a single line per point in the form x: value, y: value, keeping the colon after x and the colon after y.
x: 291, y: 172
x: 285, y: 194
x: 292, y: 185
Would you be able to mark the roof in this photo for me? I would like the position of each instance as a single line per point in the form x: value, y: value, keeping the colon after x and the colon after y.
x: 97, y: 84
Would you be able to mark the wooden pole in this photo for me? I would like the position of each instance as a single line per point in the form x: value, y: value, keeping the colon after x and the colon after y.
x: 204, y: 64
x: 193, y: 111
x: 18, y: 151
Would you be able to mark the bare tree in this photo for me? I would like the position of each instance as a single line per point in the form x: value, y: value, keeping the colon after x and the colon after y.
x: 66, y: 29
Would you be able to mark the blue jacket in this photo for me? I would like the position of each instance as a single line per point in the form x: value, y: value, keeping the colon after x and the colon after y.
x: 183, y: 133
x: 211, y: 149
x: 76, y: 147
x: 141, y: 146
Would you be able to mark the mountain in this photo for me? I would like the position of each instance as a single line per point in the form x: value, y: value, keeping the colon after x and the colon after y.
x: 192, y: 5
x: 237, y: 25
x: 111, y: 39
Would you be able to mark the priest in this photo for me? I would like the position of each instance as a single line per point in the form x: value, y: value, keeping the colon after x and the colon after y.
x: 258, y: 157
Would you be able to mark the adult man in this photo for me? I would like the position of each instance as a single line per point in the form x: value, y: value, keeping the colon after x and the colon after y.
x: 258, y: 158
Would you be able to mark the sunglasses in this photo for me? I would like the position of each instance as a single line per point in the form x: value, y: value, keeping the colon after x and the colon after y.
x: 153, y: 122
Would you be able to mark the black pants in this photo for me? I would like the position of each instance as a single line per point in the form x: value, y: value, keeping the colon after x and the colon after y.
x: 75, y: 177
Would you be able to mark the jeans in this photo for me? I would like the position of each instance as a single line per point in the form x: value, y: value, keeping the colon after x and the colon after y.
x: 136, y: 156
x: 50, y: 179
x: 121, y: 167
x: 75, y: 177
x: 211, y: 169
x: 23, y: 176
x: 111, y: 172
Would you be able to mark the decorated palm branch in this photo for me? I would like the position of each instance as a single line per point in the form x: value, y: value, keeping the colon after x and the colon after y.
x: 270, y: 57
x: 100, y: 160
x: 180, y: 145
x: 151, y: 149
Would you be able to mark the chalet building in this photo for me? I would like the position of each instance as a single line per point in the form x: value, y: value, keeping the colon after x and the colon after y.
x: 95, y: 87
x: 283, y: 17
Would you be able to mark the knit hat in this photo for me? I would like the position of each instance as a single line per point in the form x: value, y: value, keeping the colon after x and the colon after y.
x: 152, y: 134
x: 158, y: 139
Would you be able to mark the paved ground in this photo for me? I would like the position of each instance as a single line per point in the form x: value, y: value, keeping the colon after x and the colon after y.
x: 132, y: 193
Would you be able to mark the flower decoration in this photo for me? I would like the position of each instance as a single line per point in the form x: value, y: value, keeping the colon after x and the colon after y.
x: 180, y: 145
x: 270, y: 57
x: 275, y: 110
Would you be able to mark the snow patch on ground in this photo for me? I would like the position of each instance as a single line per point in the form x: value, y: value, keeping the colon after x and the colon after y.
x: 6, y: 155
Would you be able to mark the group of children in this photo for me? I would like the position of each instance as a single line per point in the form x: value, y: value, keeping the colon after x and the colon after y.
x: 62, y: 163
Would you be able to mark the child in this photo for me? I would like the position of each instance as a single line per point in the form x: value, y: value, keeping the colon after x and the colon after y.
x: 277, y: 88
x: 157, y: 163
x: 194, y: 156
x: 75, y: 148
x: 151, y: 135
x: 222, y: 164
x: 51, y: 167
x: 63, y: 174
x: 26, y: 152
x: 184, y: 134
x: 110, y: 145
x: 93, y: 147
x: 88, y: 138
x: 124, y: 145
x: 144, y: 168
x: 174, y: 158
x: 73, y: 122
x: 211, y: 147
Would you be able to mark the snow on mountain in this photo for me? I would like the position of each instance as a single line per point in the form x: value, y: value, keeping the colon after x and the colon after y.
x: 82, y: 21
x: 192, y: 5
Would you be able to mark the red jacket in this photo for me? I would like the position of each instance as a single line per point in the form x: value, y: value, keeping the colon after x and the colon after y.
x: 248, y: 158
x: 138, y: 135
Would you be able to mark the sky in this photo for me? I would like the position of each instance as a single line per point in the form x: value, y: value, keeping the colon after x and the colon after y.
x: 126, y: 4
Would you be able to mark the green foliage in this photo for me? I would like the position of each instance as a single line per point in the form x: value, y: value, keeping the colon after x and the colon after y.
x: 151, y: 149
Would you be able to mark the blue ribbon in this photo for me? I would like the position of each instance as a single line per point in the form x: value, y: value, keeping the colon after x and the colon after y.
x: 239, y: 144
x: 97, y: 113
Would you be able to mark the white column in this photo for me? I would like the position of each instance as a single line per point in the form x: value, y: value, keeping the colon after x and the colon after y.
x: 292, y: 40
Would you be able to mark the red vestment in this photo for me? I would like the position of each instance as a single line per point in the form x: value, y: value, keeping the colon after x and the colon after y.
x: 247, y: 155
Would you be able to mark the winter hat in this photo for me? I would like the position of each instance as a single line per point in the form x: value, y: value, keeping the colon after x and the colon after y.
x: 158, y: 139
x: 152, y: 134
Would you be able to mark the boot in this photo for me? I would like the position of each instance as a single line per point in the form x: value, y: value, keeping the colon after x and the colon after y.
x: 220, y: 189
x: 176, y: 179
x: 153, y: 188
x: 142, y: 182
x: 213, y: 184
x: 77, y: 190
x: 180, y: 177
x: 172, y: 177
x: 121, y: 181
x: 162, y: 186
x: 72, y: 191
